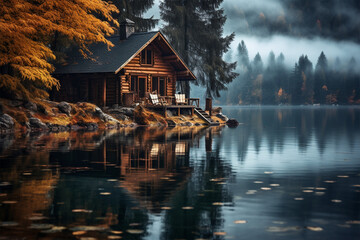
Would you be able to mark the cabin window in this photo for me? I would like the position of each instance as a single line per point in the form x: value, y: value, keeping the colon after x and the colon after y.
x: 134, y: 83
x: 158, y: 85
x: 146, y: 57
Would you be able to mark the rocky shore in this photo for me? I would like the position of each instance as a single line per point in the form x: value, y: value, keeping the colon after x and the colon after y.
x: 48, y: 116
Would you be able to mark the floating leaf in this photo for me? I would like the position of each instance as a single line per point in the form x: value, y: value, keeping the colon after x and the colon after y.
x: 9, y: 202
x: 283, y: 229
x: 219, y: 233
x: 41, y: 226
x: 299, y: 199
x: 105, y: 193
x: 114, y: 237
x: 27, y: 173
x: 308, y: 191
x: 320, y: 188
x: 319, y: 193
x: 279, y: 222
x: 275, y: 185
x: 54, y: 229
x: 266, y: 188
x: 134, y: 224
x: 336, y: 201
x: 353, y: 222
x: 258, y: 182
x: 217, y: 203
x: 77, y: 233
x: 116, y: 232
x: 356, y: 186
x: 135, y: 231
x: 187, y: 208
x: 112, y: 180
x: 166, y: 208
x: 240, y: 221
x: 329, y: 181
x: 266, y: 172
x: 88, y: 228
x: 4, y: 184
x: 342, y: 176
x: 315, y: 229
x: 8, y: 224
x: 249, y: 192
x: 36, y: 218
x: 82, y: 211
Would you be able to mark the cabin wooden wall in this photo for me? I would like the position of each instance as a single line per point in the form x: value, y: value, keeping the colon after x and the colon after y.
x: 160, y: 68
x: 98, y: 88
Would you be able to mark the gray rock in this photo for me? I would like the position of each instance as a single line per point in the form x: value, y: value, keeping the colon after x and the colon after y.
x: 170, y: 123
x: 6, y: 122
x: 31, y: 106
x: 64, y: 107
x: 189, y: 124
x: 36, y: 123
x: 222, y: 117
x: 232, y: 123
x: 169, y: 113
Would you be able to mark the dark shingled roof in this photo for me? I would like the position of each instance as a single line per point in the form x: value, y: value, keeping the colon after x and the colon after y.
x: 108, y: 61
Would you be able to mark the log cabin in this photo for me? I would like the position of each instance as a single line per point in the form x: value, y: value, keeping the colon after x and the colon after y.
x: 138, y: 64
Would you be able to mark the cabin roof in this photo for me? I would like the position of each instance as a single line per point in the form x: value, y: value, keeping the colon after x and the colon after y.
x: 121, y: 54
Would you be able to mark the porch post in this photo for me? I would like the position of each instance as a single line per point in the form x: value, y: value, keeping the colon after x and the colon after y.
x: 104, y: 93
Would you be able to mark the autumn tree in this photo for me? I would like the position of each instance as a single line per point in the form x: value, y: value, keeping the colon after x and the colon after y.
x: 28, y: 30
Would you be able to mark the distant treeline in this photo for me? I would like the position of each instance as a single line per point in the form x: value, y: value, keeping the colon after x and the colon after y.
x: 276, y: 83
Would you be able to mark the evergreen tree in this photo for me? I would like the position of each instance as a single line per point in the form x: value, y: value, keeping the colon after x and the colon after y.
x: 244, y: 86
x: 269, y: 84
x: 257, y: 79
x: 320, y: 79
x: 197, y: 27
x: 134, y: 10
x: 301, y: 82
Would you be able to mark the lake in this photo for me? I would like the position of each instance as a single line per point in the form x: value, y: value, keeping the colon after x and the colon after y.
x: 283, y: 173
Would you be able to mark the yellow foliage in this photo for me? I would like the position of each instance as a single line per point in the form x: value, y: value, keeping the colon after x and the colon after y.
x: 27, y: 29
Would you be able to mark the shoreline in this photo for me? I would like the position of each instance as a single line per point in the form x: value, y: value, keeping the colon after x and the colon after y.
x: 49, y: 116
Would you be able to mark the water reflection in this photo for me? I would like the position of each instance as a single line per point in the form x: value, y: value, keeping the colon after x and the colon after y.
x: 284, y: 173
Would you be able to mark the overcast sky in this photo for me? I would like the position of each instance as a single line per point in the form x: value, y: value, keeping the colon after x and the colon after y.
x: 292, y: 47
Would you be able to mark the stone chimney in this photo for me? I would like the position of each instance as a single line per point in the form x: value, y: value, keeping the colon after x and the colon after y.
x: 127, y: 27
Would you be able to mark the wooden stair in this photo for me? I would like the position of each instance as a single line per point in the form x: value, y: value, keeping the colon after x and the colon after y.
x: 205, y: 116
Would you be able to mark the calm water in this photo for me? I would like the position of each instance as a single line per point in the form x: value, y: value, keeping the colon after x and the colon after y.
x: 284, y: 173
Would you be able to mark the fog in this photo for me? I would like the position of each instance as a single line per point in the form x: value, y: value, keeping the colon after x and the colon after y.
x: 293, y: 48
x: 274, y: 26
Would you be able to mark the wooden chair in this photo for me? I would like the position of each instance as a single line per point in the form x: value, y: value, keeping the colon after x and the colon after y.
x: 155, y: 100
x: 180, y: 99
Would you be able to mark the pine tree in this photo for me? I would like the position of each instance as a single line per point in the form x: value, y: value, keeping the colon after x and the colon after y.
x: 320, y: 79
x: 269, y: 85
x: 257, y: 79
x: 196, y: 27
x: 134, y: 10
x: 245, y: 70
x: 27, y: 29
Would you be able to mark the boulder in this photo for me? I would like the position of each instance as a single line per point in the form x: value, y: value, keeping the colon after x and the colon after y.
x: 31, y: 106
x: 36, y: 123
x: 232, y: 123
x: 6, y: 122
x: 170, y: 123
x: 64, y: 107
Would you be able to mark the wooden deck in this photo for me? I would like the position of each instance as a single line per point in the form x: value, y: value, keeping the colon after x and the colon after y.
x: 164, y: 108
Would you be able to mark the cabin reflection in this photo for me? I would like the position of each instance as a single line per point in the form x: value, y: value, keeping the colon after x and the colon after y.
x: 154, y: 165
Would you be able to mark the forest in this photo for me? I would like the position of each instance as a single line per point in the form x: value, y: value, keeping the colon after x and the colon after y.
x: 305, y: 83
x: 36, y: 35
